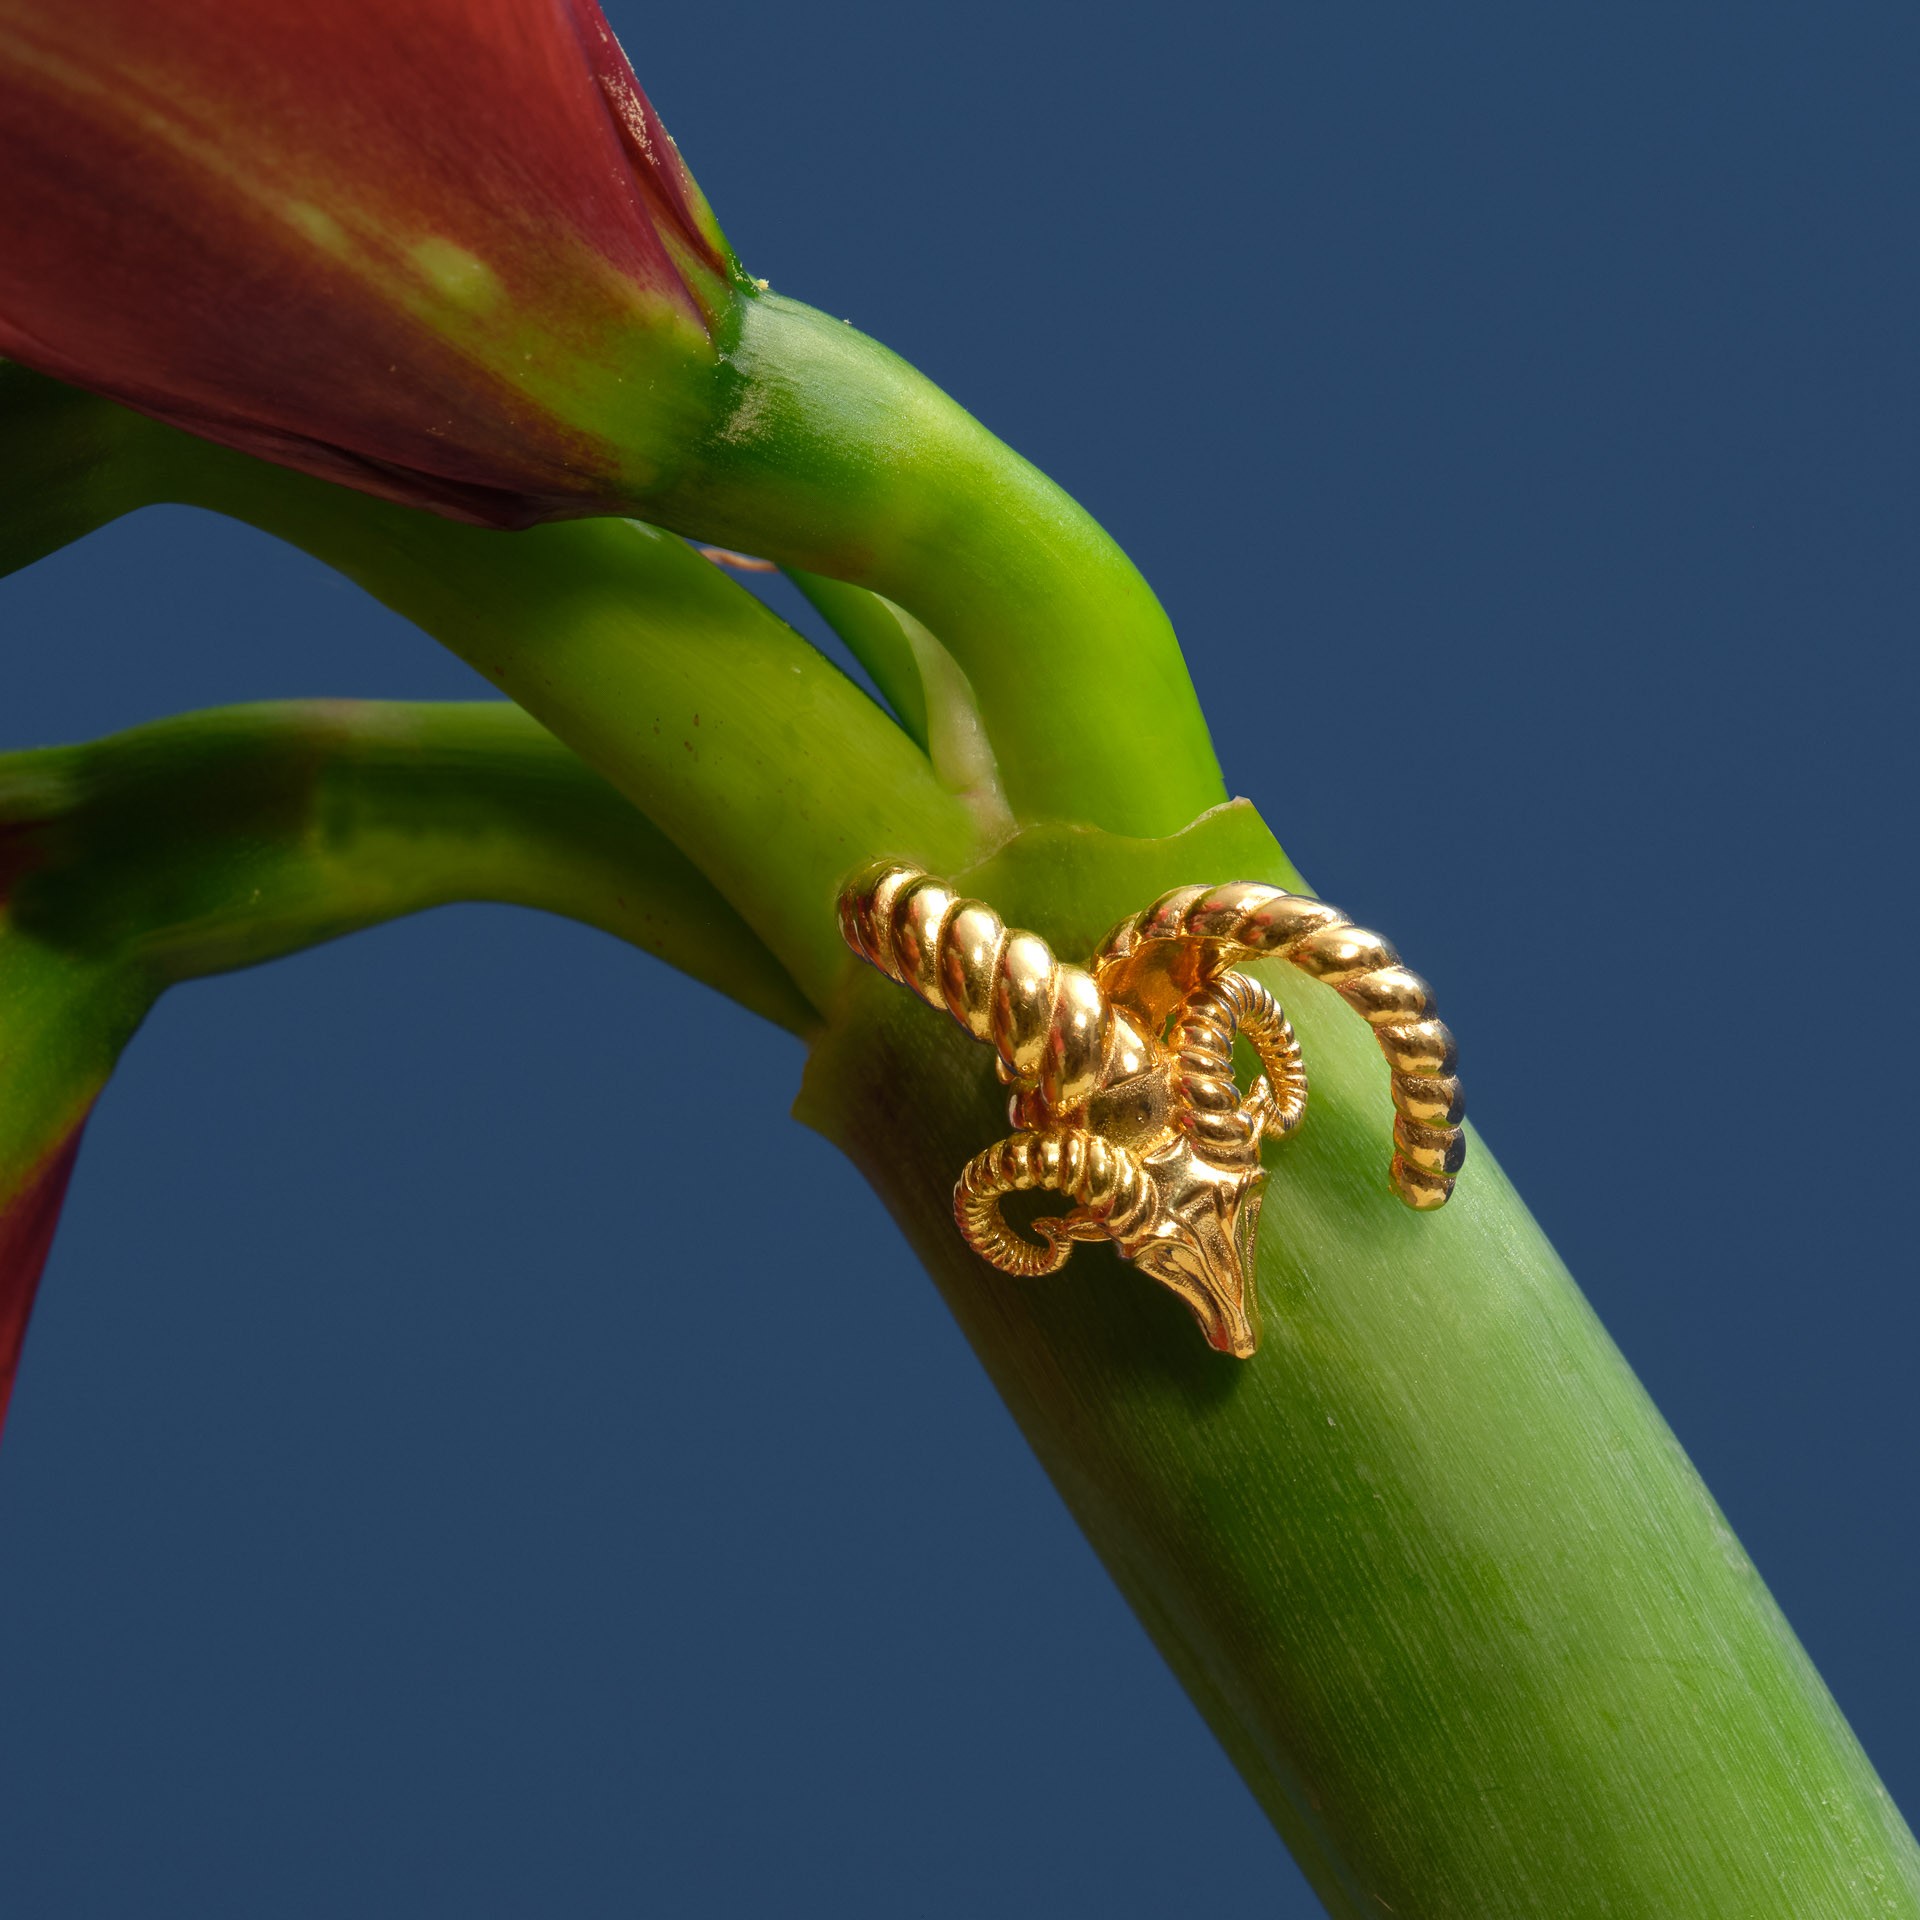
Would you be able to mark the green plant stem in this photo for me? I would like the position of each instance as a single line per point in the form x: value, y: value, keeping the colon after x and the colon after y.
x: 69, y: 462
x: 223, y: 839
x: 876, y: 637
x: 830, y: 454
x: 1431, y: 1564
x: 63, y: 1023
x: 833, y: 456
x: 756, y: 756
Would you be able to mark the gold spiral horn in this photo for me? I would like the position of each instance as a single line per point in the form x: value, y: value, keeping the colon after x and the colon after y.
x: 1215, y: 926
x: 1050, y: 1024
x: 1113, y: 1192
x: 1206, y: 1096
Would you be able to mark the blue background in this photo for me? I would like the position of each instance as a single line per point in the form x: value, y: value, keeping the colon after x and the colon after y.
x: 1515, y: 408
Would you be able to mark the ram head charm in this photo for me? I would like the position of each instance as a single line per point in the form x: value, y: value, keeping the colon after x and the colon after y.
x: 1123, y: 1097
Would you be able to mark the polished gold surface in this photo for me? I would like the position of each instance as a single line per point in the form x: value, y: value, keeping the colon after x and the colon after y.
x: 1123, y: 1098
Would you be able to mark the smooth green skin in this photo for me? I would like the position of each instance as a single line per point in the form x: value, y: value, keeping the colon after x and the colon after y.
x: 222, y: 839
x: 874, y: 636
x: 832, y: 455
x: 800, y: 438
x: 1430, y: 1562
x: 63, y: 1024
x: 756, y: 756
x: 69, y: 462
x: 1432, y: 1565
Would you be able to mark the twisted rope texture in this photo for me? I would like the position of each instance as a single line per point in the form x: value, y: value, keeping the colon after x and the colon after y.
x: 1114, y: 1192
x: 1207, y: 1099
x: 1245, y: 920
x: 1049, y: 1023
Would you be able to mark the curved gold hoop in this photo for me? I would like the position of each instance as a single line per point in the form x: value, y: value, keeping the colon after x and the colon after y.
x: 1244, y: 920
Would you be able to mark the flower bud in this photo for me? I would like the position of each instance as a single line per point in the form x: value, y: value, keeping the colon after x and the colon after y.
x: 443, y: 251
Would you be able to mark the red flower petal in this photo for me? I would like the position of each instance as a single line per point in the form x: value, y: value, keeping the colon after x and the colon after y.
x: 27, y: 1221
x: 409, y: 246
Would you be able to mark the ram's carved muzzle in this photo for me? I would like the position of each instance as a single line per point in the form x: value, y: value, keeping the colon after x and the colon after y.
x: 1202, y: 1247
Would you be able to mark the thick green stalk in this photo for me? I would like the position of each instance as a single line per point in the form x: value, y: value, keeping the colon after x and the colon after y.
x: 69, y: 462
x: 877, y: 636
x: 1431, y: 1564
x: 925, y: 686
x: 63, y: 1023
x: 770, y: 769
x: 830, y: 454
x: 756, y: 756
x: 222, y: 839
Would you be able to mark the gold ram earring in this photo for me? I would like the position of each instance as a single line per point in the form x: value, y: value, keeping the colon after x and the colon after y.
x: 1123, y: 1096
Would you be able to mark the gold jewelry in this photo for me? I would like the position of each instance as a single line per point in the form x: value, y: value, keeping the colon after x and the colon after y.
x: 1123, y: 1096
